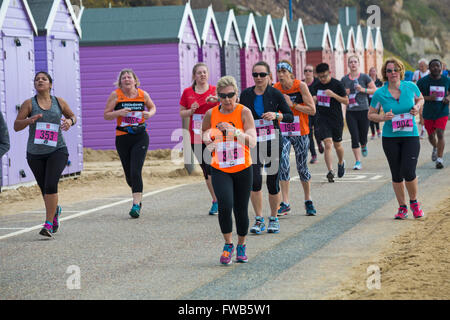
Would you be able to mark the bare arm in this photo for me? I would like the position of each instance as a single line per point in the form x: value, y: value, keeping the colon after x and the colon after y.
x: 109, y: 113
x: 70, y: 118
x: 309, y: 106
x: 22, y: 120
x: 151, y: 107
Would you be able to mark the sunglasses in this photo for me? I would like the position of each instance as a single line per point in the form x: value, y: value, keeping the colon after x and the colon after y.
x: 307, y: 70
x: 226, y: 95
x: 391, y: 70
x: 260, y: 74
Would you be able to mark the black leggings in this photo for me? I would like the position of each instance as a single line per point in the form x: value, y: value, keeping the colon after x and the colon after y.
x: 233, y: 193
x: 373, y: 126
x: 132, y: 150
x: 358, y: 126
x: 313, y: 132
x: 271, y: 164
x: 202, y: 158
x: 402, y: 155
x: 47, y: 169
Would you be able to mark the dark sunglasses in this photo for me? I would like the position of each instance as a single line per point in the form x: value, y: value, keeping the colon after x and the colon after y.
x: 391, y: 70
x: 226, y: 95
x: 307, y: 70
x: 260, y: 74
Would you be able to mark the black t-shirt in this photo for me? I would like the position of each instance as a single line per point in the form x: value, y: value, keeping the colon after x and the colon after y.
x: 327, y: 106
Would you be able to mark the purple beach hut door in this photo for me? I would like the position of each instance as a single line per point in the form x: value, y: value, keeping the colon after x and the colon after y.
x: 19, y: 68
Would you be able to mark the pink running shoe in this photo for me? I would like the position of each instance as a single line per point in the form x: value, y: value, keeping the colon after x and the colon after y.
x: 227, y: 253
x: 416, y: 209
x: 402, y: 213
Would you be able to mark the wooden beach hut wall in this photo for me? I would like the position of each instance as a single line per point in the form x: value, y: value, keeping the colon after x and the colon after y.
x: 230, y: 56
x: 339, y: 51
x: 56, y: 50
x: 350, y: 43
x: 285, y: 44
x: 300, y: 47
x: 269, y: 44
x: 370, y: 59
x: 251, y: 49
x: 360, y: 48
x: 159, y: 43
x: 17, y: 28
x: 210, y: 41
x: 320, y: 46
x: 379, y: 50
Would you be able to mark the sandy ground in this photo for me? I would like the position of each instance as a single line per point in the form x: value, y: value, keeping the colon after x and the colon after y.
x: 415, y: 266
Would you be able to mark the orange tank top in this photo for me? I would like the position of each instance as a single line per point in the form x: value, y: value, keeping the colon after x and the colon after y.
x: 230, y: 155
x: 135, y: 116
x: 301, y: 116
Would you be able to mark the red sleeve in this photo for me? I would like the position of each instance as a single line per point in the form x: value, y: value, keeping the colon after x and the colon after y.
x: 184, y: 98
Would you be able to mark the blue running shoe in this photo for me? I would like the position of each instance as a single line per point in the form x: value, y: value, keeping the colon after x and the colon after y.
x: 214, y: 209
x: 259, y: 225
x: 284, y: 209
x: 135, y: 211
x: 357, y: 166
x: 56, y: 219
x: 364, y: 151
x: 274, y: 225
x: 227, y: 253
x: 310, y: 210
x: 240, y: 253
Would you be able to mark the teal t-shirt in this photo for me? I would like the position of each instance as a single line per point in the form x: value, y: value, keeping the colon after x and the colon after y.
x: 403, y: 126
x: 433, y: 110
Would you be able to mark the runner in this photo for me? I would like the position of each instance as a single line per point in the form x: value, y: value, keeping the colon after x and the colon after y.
x: 229, y: 131
x: 311, y: 81
x: 329, y: 93
x: 194, y: 103
x: 4, y: 138
x: 47, y: 152
x: 268, y: 106
x: 401, y: 102
x: 358, y: 86
x: 127, y: 106
x: 435, y: 89
x: 419, y: 74
x: 297, y: 96
x: 374, y: 125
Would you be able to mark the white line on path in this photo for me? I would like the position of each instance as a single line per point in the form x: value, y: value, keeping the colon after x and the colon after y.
x: 82, y: 213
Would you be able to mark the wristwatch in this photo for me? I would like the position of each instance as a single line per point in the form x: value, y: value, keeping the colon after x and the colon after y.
x: 237, y: 133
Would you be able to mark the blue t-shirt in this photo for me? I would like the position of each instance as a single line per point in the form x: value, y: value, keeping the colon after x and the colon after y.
x: 383, y: 98
x: 259, y: 105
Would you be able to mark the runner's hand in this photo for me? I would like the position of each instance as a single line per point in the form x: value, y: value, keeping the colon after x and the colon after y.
x: 330, y: 93
x: 194, y: 107
x: 414, y: 110
x: 288, y: 100
x: 146, y: 115
x: 269, y: 116
x: 34, y: 118
x: 212, y: 99
x: 388, y: 115
x: 123, y: 112
x: 66, y: 124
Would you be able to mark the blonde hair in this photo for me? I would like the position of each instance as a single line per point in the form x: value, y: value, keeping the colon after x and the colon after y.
x: 398, y: 64
x: 194, y: 70
x: 226, y: 81
x: 353, y: 56
x: 122, y: 72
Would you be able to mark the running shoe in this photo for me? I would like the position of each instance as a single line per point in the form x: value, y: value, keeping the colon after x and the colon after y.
x: 135, y: 210
x: 259, y: 225
x: 402, y: 213
x: 330, y: 176
x: 313, y: 159
x: 284, y: 209
x: 240, y: 253
x: 379, y: 134
x: 214, y: 209
x: 310, y: 210
x: 364, y: 151
x: 372, y: 137
x: 341, y: 169
x: 46, y: 231
x: 320, y: 147
x: 434, y: 154
x: 416, y: 209
x: 422, y: 133
x: 439, y: 163
x: 56, y: 219
x: 357, y: 165
x: 227, y: 253
x: 274, y: 225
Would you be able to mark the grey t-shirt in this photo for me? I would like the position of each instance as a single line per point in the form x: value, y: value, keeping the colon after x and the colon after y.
x: 358, y: 101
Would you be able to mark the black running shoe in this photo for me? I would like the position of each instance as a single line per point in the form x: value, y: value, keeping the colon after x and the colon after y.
x: 45, y: 232
x: 341, y: 169
x: 330, y: 176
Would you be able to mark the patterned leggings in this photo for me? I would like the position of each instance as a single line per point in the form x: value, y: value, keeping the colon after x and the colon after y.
x: 301, y: 146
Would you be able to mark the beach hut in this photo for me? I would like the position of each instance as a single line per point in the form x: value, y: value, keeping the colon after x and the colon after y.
x: 320, y: 46
x: 210, y: 41
x: 159, y: 43
x: 285, y: 43
x: 230, y: 56
x: 56, y: 51
x: 379, y: 49
x: 17, y: 28
x: 269, y: 44
x: 300, y: 47
x: 360, y: 48
x: 370, y: 59
x: 251, y: 49
x: 350, y: 43
x: 339, y: 50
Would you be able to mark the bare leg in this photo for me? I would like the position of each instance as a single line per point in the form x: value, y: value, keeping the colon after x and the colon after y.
x: 256, y: 199
x: 399, y: 189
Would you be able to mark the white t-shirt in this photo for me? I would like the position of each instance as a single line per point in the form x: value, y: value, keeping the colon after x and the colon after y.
x: 419, y: 75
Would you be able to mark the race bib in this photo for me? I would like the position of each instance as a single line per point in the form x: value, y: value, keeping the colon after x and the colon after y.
x: 291, y: 129
x: 265, y: 130
x: 438, y: 91
x: 322, y: 99
x: 46, y: 134
x: 352, y: 100
x: 403, y: 122
x: 197, y: 120
x: 132, y: 119
x: 230, y: 154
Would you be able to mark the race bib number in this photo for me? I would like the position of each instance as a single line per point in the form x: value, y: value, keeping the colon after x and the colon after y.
x: 46, y: 134
x: 438, y: 91
x: 230, y: 154
x: 265, y: 130
x: 197, y: 120
x: 403, y: 122
x: 291, y: 129
x: 132, y: 119
x: 322, y: 99
x: 352, y: 100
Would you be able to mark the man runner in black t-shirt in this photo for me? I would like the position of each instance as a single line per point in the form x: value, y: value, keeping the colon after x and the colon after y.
x: 329, y: 95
